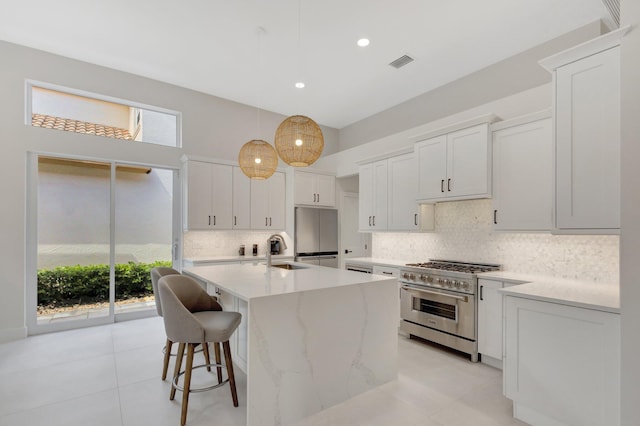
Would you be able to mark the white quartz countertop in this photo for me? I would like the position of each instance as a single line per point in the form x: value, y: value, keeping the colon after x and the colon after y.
x: 582, y: 294
x: 370, y: 261
x: 221, y: 259
x: 251, y: 280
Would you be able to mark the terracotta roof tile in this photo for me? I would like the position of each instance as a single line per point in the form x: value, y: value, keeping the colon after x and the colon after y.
x: 66, y: 124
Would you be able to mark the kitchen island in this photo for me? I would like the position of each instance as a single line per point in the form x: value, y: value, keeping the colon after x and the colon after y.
x: 311, y: 337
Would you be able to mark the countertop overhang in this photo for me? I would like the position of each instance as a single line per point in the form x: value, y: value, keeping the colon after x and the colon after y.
x: 249, y: 281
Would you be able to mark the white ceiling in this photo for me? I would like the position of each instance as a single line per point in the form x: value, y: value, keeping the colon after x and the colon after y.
x: 215, y: 46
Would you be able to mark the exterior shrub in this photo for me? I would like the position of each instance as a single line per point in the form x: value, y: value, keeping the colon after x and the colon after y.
x: 69, y: 285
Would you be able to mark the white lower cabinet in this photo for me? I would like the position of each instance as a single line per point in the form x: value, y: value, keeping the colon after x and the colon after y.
x: 490, y: 320
x: 238, y: 341
x: 562, y: 363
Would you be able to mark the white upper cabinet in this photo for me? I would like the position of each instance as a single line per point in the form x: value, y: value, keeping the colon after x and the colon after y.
x: 388, y: 190
x: 587, y: 137
x: 314, y: 189
x: 241, y: 200
x: 209, y: 196
x: 523, y: 174
x: 373, y: 196
x: 268, y: 203
x: 455, y: 166
x: 402, y: 177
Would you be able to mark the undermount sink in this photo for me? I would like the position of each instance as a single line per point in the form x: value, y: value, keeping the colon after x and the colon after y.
x: 287, y: 266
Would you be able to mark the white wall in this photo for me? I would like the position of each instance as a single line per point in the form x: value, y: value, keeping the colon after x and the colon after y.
x: 344, y: 163
x: 464, y: 232
x: 630, y: 213
x: 513, y: 75
x: 212, y: 127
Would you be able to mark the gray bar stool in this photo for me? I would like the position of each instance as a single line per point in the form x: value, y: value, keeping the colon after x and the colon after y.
x: 157, y: 273
x: 191, y: 316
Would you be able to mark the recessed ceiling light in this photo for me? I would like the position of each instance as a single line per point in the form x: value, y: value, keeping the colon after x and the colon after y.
x: 363, y: 42
x: 299, y: 85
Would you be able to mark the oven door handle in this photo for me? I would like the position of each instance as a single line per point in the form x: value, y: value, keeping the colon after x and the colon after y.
x: 453, y: 296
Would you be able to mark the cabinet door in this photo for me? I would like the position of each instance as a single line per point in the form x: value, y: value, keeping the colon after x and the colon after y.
x: 241, y: 200
x: 304, y: 188
x: 268, y: 207
x: 562, y: 363
x: 379, y: 220
x: 277, y: 201
x: 222, y: 196
x: 588, y: 142
x: 325, y: 190
x: 468, y: 160
x: 365, y: 199
x: 432, y: 168
x: 260, y: 204
x: 402, y: 193
x: 199, y: 192
x: 490, y: 318
x: 523, y: 177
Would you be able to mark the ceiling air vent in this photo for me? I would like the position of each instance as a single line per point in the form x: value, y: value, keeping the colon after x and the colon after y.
x: 401, y: 61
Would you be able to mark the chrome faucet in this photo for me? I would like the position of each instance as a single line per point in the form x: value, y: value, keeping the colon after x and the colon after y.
x: 273, y: 237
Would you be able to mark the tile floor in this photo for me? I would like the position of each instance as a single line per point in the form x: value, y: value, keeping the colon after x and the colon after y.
x: 110, y: 376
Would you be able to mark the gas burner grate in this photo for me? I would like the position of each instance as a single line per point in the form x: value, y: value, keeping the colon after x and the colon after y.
x: 450, y: 266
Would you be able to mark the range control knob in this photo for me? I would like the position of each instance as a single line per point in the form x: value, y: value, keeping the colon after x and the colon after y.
x: 457, y: 284
x: 412, y: 277
x: 446, y: 282
x: 465, y: 285
x: 405, y: 275
x: 429, y: 279
x: 423, y: 278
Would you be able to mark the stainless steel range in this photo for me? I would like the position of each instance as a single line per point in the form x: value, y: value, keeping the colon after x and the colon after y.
x: 438, y: 302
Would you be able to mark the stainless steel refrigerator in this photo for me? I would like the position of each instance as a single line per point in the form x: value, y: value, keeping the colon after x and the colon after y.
x: 316, y: 236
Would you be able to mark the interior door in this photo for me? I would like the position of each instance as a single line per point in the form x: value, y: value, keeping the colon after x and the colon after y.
x: 353, y: 243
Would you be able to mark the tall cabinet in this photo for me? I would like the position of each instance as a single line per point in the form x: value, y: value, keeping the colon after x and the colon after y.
x: 587, y: 134
x: 373, y: 196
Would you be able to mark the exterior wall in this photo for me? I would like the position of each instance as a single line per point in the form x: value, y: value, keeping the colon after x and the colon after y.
x: 630, y: 213
x: 73, y: 207
x: 212, y: 127
x: 464, y: 232
x: 49, y: 102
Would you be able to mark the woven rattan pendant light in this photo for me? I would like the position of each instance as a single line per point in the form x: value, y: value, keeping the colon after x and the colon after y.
x: 299, y: 141
x: 257, y: 159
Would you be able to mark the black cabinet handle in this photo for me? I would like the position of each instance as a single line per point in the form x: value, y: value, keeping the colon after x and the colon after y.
x: 209, y: 220
x: 481, y: 295
x: 449, y: 184
x: 369, y: 220
x: 374, y: 221
x: 495, y: 217
x: 318, y: 197
x: 415, y: 219
x: 442, y: 185
x: 235, y: 220
x: 266, y: 221
x: 214, y: 220
x: 269, y: 221
x: 314, y: 198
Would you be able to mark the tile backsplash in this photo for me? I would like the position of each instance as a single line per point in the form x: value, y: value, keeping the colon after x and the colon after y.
x: 464, y: 232
x: 199, y: 244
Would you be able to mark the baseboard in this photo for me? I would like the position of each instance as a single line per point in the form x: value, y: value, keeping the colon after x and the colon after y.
x: 10, y: 334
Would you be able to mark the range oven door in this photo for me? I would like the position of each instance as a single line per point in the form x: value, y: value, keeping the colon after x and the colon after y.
x: 450, y: 312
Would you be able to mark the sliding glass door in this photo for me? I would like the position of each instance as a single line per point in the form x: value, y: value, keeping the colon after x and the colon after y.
x: 95, y: 230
